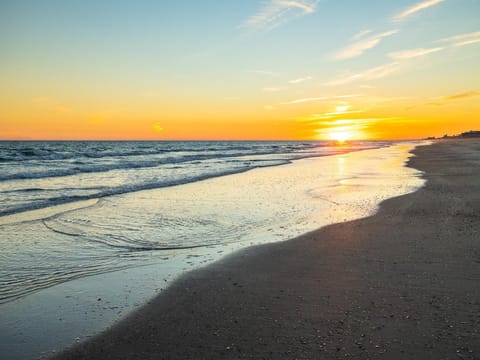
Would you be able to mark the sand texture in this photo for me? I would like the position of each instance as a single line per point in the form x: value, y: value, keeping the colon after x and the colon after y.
x: 403, y: 284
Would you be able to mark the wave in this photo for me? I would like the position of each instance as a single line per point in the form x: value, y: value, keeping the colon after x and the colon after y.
x: 18, y: 151
x: 78, y: 167
x: 118, y: 190
x: 112, y: 168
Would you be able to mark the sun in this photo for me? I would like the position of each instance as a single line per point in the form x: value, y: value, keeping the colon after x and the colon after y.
x: 342, y: 108
x: 340, y: 136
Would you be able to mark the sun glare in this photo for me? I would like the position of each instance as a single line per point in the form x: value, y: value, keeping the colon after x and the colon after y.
x: 342, y: 108
x: 340, y: 136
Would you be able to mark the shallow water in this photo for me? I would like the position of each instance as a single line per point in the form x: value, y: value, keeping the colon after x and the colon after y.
x: 263, y: 205
x: 137, y: 243
x: 39, y: 174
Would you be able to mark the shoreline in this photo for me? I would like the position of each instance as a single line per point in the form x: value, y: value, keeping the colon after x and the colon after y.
x: 350, y: 290
x: 341, y: 187
x: 30, y: 212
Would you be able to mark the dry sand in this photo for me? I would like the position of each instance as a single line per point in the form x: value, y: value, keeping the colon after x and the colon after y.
x: 403, y: 284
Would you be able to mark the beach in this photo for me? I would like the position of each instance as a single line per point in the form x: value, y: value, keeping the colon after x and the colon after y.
x: 263, y: 179
x: 401, y: 284
x: 57, y: 260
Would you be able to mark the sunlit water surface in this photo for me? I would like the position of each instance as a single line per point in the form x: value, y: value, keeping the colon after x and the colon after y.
x: 47, y: 247
x: 138, y: 242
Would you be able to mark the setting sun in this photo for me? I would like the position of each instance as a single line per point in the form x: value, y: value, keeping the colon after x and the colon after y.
x: 342, y: 108
x: 340, y: 136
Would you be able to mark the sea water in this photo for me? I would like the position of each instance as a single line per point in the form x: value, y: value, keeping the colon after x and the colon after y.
x: 136, y: 215
x: 59, y: 177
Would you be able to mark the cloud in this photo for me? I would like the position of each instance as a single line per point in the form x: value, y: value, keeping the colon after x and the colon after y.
x: 334, y: 114
x: 300, y: 80
x: 347, y: 96
x: 304, y: 100
x: 370, y: 74
x: 321, y: 98
x: 346, y: 122
x: 361, y: 34
x: 464, y: 95
x: 359, y: 47
x: 413, y: 53
x: 278, y: 12
x: 462, y: 39
x: 444, y: 100
x: 351, y: 127
x: 416, y: 8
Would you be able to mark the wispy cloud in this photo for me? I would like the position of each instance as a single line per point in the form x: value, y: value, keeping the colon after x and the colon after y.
x: 300, y: 80
x: 335, y: 114
x: 361, y: 34
x: 359, y: 47
x: 278, y: 12
x: 462, y: 39
x: 444, y: 100
x: 413, y: 53
x: 272, y: 89
x: 369, y: 74
x: 355, y: 128
x: 359, y: 123
x: 416, y: 8
x: 348, y: 96
x: 304, y: 100
x: 321, y: 98
x: 464, y: 95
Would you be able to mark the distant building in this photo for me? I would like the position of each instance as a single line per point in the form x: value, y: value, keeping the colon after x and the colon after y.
x: 470, y: 134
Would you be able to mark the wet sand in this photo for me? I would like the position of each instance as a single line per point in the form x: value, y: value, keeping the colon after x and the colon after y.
x: 403, y: 284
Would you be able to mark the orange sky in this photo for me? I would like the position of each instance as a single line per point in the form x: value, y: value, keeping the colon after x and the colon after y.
x: 266, y: 70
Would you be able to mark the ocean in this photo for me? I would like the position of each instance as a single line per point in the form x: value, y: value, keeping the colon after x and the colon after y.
x: 69, y: 193
x: 89, y: 231
x: 43, y: 175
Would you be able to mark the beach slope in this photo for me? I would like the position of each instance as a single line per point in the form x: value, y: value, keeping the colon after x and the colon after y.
x: 402, y: 284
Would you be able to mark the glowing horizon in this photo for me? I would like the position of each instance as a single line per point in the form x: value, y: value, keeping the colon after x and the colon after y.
x: 254, y: 70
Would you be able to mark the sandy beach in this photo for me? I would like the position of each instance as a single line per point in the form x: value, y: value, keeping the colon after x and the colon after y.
x: 402, y: 284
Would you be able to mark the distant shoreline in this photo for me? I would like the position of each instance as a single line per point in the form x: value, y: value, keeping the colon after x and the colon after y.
x: 472, y: 134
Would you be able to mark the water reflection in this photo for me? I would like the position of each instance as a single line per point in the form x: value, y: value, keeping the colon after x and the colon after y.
x: 263, y: 205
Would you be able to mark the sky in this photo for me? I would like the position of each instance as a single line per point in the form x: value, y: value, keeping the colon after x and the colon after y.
x: 228, y: 70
